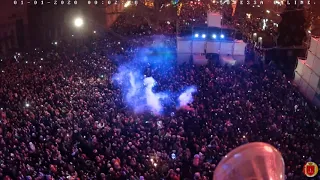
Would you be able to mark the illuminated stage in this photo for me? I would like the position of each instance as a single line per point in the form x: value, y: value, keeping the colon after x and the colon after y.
x: 210, y: 41
x: 189, y: 48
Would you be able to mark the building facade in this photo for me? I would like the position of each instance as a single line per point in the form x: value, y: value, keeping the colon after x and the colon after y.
x: 112, y: 13
x: 24, y: 26
x: 54, y: 23
x: 13, y: 26
x: 307, y: 72
x: 27, y: 25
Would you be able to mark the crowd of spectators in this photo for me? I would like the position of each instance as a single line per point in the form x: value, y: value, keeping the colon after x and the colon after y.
x: 189, y: 14
x: 61, y: 117
x: 138, y: 25
x: 192, y: 14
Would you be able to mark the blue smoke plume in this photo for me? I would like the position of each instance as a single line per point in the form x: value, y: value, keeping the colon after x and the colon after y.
x: 138, y: 86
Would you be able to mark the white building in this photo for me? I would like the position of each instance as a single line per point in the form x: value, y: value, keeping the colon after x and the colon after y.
x: 308, y: 71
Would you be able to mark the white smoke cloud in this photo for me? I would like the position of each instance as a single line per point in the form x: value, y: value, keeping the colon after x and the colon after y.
x: 186, y: 97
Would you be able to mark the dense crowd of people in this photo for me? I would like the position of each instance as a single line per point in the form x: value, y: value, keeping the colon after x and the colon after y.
x: 62, y: 117
x: 193, y: 14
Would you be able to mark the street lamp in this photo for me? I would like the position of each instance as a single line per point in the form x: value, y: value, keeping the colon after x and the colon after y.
x: 78, y: 22
x: 127, y: 4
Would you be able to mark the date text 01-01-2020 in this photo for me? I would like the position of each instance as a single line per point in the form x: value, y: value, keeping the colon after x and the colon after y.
x: 71, y: 2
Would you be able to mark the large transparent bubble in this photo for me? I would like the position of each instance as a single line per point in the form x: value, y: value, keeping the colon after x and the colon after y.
x: 253, y: 161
